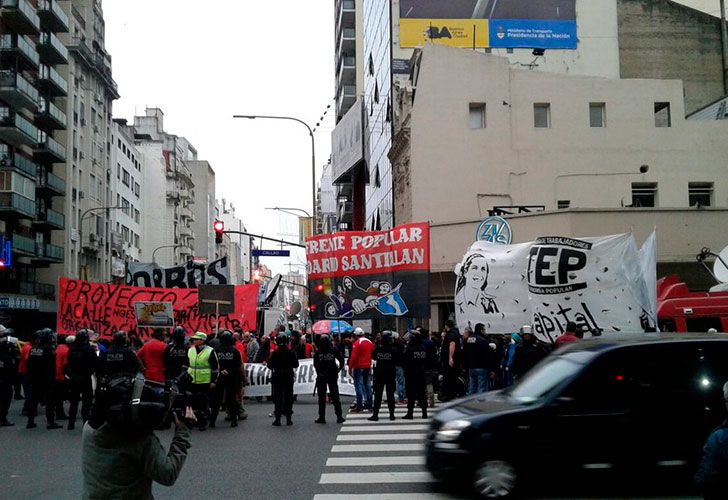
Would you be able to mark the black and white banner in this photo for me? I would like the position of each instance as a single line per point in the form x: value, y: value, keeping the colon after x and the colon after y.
x: 599, y: 283
x: 305, y: 380
x: 189, y: 275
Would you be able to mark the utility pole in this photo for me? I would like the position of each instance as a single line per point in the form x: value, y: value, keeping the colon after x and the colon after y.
x: 724, y: 45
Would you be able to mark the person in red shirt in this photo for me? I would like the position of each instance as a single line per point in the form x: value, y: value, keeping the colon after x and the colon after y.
x: 60, y: 388
x: 360, y: 368
x: 569, y: 335
x: 23, y: 371
x: 152, y: 357
x: 240, y: 347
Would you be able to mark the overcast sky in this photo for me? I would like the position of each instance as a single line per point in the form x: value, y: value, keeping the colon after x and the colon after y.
x: 202, y: 62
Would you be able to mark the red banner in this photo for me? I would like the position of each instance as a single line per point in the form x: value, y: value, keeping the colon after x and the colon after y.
x: 106, y: 308
x: 404, y: 248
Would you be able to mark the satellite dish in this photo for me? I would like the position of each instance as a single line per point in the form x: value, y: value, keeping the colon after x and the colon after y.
x: 296, y: 308
x: 272, y: 287
x: 720, y: 268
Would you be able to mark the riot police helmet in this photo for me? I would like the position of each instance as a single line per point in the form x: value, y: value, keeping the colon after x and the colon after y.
x: 387, y: 337
x: 120, y: 338
x: 178, y: 334
x: 226, y: 338
x: 282, y: 339
x: 82, y: 336
x: 324, y: 341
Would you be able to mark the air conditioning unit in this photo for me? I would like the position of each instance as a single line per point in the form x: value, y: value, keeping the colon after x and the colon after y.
x: 81, y: 195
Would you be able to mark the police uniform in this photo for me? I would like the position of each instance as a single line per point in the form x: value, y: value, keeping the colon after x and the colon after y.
x: 176, y: 359
x: 41, y: 368
x: 283, y: 362
x: 387, y: 357
x: 118, y: 360
x: 228, y: 383
x: 328, y: 363
x: 82, y: 361
x: 9, y: 358
x: 416, y: 362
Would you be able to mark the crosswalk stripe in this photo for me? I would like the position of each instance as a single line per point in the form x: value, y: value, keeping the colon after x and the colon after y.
x: 375, y: 477
x: 374, y: 461
x: 377, y: 428
x: 383, y: 413
x: 349, y: 448
x: 385, y: 420
x: 384, y: 496
x: 382, y: 437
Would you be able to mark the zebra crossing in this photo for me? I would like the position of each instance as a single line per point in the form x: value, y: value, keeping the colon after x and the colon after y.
x: 379, y: 460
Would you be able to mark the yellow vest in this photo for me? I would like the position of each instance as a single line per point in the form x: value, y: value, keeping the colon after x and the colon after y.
x: 200, y: 365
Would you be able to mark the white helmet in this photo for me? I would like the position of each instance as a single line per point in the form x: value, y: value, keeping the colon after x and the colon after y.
x: 358, y: 332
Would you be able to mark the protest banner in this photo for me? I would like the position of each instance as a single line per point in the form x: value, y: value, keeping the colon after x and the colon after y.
x: 304, y: 381
x: 369, y: 274
x: 154, y: 314
x: 598, y: 283
x: 106, y: 308
x: 188, y: 275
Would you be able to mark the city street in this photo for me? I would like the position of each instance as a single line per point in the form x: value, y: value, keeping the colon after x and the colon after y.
x: 359, y: 459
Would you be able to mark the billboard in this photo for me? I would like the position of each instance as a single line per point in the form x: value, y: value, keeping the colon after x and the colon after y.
x: 188, y: 275
x: 347, y: 142
x: 370, y: 274
x: 543, y: 24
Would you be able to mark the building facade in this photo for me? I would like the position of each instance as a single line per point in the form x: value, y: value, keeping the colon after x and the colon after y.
x: 236, y: 246
x: 33, y: 123
x: 203, y: 209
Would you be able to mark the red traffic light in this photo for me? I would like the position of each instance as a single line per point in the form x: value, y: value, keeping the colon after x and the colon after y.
x: 219, y: 227
x: 320, y: 288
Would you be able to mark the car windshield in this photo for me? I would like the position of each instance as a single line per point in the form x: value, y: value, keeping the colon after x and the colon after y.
x: 544, y: 377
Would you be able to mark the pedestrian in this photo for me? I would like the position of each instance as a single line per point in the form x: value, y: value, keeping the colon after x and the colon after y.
x: 712, y: 475
x: 506, y: 366
x: 252, y: 347
x: 282, y: 363
x: 204, y: 370
x: 450, y: 361
x: 328, y: 363
x: 528, y: 353
x: 304, y: 349
x: 415, y: 364
x: 119, y: 360
x: 240, y: 394
x: 60, y: 387
x: 82, y: 362
x: 264, y: 352
x: 41, y: 369
x: 386, y: 357
x: 229, y: 381
x: 176, y: 358
x: 360, y: 367
x: 478, y: 359
x: 568, y: 337
x: 433, y: 371
x: 9, y: 360
x: 23, y: 370
x: 401, y: 395
x: 151, y: 356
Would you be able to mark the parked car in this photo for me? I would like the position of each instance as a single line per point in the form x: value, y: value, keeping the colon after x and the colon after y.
x: 642, y: 404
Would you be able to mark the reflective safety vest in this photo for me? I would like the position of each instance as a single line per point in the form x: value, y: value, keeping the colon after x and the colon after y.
x: 200, y: 369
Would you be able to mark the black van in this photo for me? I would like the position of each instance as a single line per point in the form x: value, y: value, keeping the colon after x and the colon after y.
x: 642, y: 404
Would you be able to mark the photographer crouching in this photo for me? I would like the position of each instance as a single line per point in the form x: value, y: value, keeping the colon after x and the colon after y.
x: 121, y: 455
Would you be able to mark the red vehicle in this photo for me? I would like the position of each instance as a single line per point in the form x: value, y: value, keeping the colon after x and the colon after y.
x: 680, y: 310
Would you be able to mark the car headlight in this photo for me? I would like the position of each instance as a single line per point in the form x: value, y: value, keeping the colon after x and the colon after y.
x: 450, y: 431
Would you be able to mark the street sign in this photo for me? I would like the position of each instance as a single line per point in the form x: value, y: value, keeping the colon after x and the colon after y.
x: 494, y: 230
x: 271, y: 253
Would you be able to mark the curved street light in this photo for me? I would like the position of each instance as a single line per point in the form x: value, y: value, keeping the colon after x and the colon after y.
x: 154, y: 253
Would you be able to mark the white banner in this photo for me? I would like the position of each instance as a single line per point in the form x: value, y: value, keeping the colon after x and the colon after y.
x: 305, y: 380
x: 598, y: 283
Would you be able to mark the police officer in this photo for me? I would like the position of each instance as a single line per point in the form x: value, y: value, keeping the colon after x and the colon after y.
x: 9, y: 359
x: 82, y: 361
x: 204, y: 370
x: 283, y: 362
x: 176, y: 360
x: 228, y: 383
x: 119, y: 360
x: 416, y: 364
x: 41, y: 368
x: 479, y: 359
x: 328, y: 362
x: 387, y: 357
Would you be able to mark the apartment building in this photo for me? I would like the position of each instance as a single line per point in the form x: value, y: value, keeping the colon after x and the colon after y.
x: 203, y: 209
x: 236, y: 247
x: 33, y: 123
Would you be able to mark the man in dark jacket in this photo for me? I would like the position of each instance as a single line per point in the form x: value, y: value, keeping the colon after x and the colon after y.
x: 328, y: 363
x: 82, y: 361
x: 386, y: 356
x: 283, y: 362
x: 450, y: 360
x: 9, y: 359
x: 528, y: 353
x: 176, y: 360
x: 478, y: 359
x: 119, y: 360
x: 41, y: 368
x: 229, y: 380
x: 415, y: 364
x: 712, y: 475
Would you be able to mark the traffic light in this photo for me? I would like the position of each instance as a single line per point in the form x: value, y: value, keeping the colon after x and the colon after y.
x: 320, y: 288
x: 219, y: 227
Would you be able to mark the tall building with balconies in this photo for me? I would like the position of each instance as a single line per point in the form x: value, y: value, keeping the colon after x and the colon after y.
x: 348, y: 54
x: 32, y: 131
x: 204, y: 209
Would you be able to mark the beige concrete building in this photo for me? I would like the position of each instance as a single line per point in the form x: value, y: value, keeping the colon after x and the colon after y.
x: 594, y: 155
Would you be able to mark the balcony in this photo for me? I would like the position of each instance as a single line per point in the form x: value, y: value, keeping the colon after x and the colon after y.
x: 50, y: 219
x: 20, y: 16
x: 17, y: 91
x: 51, y: 184
x: 185, y: 231
x: 51, y: 82
x: 185, y: 193
x: 347, y: 40
x: 17, y: 206
x: 49, y: 254
x: 347, y: 71
x: 52, y: 17
x: 347, y: 97
x: 16, y: 130
x: 347, y: 14
x: 186, y: 213
x: 21, y: 164
x: 19, y: 48
x: 47, y: 150
x: 51, y: 50
x: 23, y: 245
x: 49, y: 116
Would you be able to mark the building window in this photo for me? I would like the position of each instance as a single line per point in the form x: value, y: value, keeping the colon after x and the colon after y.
x: 597, y: 115
x: 377, y: 180
x: 136, y: 189
x: 542, y: 115
x: 644, y: 194
x: 700, y: 194
x: 136, y: 241
x: 477, y: 116
x: 125, y: 206
x: 564, y: 204
x: 136, y: 216
x: 127, y: 178
x: 662, y: 115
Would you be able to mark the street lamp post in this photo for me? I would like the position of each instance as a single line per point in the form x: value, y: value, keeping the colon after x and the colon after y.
x: 154, y: 253
x: 313, y: 154
x: 80, y: 225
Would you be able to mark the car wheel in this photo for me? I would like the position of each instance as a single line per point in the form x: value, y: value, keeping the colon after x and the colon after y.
x: 495, y: 479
